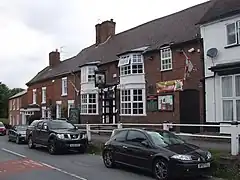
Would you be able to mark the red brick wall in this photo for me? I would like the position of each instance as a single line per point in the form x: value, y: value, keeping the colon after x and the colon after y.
x: 54, y: 90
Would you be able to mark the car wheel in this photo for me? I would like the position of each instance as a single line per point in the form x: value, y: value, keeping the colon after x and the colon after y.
x: 108, y: 159
x: 17, y: 140
x: 31, y: 144
x: 160, y: 169
x: 52, y: 147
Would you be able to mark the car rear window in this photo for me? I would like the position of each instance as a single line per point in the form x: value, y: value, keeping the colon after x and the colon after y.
x: 34, y: 123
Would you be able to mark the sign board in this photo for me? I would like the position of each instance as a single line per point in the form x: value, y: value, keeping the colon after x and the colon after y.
x: 152, y: 103
x: 74, y: 115
x: 169, y: 86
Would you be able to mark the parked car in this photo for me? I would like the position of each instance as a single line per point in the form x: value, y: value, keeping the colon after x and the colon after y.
x: 3, y: 130
x: 17, y: 134
x: 161, y: 152
x: 57, y: 136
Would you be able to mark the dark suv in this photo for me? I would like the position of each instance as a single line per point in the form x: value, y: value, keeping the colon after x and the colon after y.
x: 56, y: 135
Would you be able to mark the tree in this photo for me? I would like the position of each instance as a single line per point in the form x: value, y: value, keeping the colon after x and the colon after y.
x: 5, y: 94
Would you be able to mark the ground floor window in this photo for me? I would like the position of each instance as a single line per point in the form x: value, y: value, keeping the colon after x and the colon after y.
x: 89, y: 103
x: 58, y: 109
x: 230, y: 88
x: 132, y: 102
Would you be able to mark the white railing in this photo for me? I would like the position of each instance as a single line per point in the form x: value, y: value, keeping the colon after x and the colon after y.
x: 233, y: 130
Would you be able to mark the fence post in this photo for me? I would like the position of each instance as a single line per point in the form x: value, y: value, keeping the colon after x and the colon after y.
x: 88, y: 128
x: 165, y: 126
x: 119, y: 126
x: 234, y: 138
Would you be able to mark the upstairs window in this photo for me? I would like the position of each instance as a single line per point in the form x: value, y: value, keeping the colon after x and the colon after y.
x: 131, y: 64
x: 233, y: 33
x: 44, y: 93
x: 91, y: 73
x: 88, y: 74
x: 34, y: 96
x: 64, y: 86
x: 166, y: 59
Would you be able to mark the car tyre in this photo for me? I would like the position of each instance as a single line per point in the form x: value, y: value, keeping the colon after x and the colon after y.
x: 52, y: 149
x: 108, y: 159
x: 31, y: 144
x: 160, y: 169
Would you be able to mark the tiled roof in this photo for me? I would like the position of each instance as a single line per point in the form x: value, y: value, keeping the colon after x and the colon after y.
x: 221, y: 9
x: 18, y: 94
x: 177, y: 27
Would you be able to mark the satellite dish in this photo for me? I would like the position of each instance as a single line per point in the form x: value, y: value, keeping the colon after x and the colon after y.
x: 212, y: 53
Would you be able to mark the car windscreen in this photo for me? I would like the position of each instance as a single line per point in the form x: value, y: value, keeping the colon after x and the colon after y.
x: 165, y: 138
x: 61, y: 125
x: 21, y: 128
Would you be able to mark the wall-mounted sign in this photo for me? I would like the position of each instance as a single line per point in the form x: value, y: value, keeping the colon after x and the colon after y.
x: 165, y: 103
x: 152, y: 103
x: 169, y: 86
x: 100, y: 79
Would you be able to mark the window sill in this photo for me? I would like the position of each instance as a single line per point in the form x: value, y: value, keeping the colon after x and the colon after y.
x: 86, y: 114
x: 43, y: 102
x: 64, y: 95
x: 91, y: 82
x: 135, y: 115
x: 131, y: 75
x: 231, y: 46
x: 164, y: 70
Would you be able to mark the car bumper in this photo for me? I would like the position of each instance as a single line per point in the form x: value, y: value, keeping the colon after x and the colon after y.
x: 189, y: 169
x: 22, y: 139
x: 71, y: 144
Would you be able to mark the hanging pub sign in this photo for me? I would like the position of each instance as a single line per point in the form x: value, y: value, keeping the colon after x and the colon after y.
x: 100, y: 79
x: 152, y: 103
x: 169, y: 86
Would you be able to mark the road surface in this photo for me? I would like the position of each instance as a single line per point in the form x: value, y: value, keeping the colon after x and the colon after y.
x: 19, y: 162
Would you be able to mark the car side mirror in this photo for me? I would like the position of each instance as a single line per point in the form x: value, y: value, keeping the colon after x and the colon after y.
x: 145, y: 143
x: 45, y: 127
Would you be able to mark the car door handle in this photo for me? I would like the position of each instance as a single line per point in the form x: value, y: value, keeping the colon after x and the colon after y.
x: 124, y: 147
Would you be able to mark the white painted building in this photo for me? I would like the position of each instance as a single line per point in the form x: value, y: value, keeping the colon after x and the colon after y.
x: 222, y: 72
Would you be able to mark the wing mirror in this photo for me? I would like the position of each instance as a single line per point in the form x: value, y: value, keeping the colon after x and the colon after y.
x: 145, y: 143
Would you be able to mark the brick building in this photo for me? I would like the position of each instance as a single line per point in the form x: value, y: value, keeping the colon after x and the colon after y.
x: 153, y: 74
x: 16, y: 113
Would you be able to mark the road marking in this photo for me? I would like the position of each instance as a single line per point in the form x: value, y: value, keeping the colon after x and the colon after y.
x: 65, y: 172
x: 14, y: 153
x: 47, y: 165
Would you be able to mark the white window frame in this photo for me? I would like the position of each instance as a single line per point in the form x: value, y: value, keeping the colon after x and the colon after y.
x: 91, y: 74
x: 58, y: 109
x: 14, y: 104
x: 64, y: 86
x: 132, y: 102
x: 70, y: 105
x: 234, y: 98
x: 18, y: 103
x: 10, y: 105
x: 238, y: 31
x: 168, y: 58
x: 85, y: 105
x: 236, y: 36
x: 44, y: 95
x: 44, y: 109
x: 127, y: 63
x: 34, y: 96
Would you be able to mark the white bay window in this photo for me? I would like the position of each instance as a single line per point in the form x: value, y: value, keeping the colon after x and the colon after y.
x: 89, y: 104
x: 133, y: 102
x: 131, y: 64
x: 88, y: 74
x: 230, y: 98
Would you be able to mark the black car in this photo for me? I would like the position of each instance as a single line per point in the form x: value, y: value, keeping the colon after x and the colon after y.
x: 57, y: 136
x: 17, y: 134
x: 160, y: 152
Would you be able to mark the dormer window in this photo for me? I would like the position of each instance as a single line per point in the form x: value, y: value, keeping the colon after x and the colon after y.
x: 131, y: 64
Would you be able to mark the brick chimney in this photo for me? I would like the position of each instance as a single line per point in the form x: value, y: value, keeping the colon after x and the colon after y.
x: 104, y: 31
x: 54, y: 58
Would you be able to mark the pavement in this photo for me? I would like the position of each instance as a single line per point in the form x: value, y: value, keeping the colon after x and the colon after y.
x: 19, y: 162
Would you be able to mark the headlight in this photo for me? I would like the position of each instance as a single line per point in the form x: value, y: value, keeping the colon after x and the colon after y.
x: 84, y: 136
x: 60, y: 136
x: 182, y: 157
x: 209, y: 155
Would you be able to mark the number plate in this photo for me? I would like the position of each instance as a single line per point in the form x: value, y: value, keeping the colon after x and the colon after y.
x: 203, y: 165
x: 75, y: 145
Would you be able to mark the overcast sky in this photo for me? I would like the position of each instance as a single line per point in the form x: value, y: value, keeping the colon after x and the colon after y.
x: 30, y: 29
